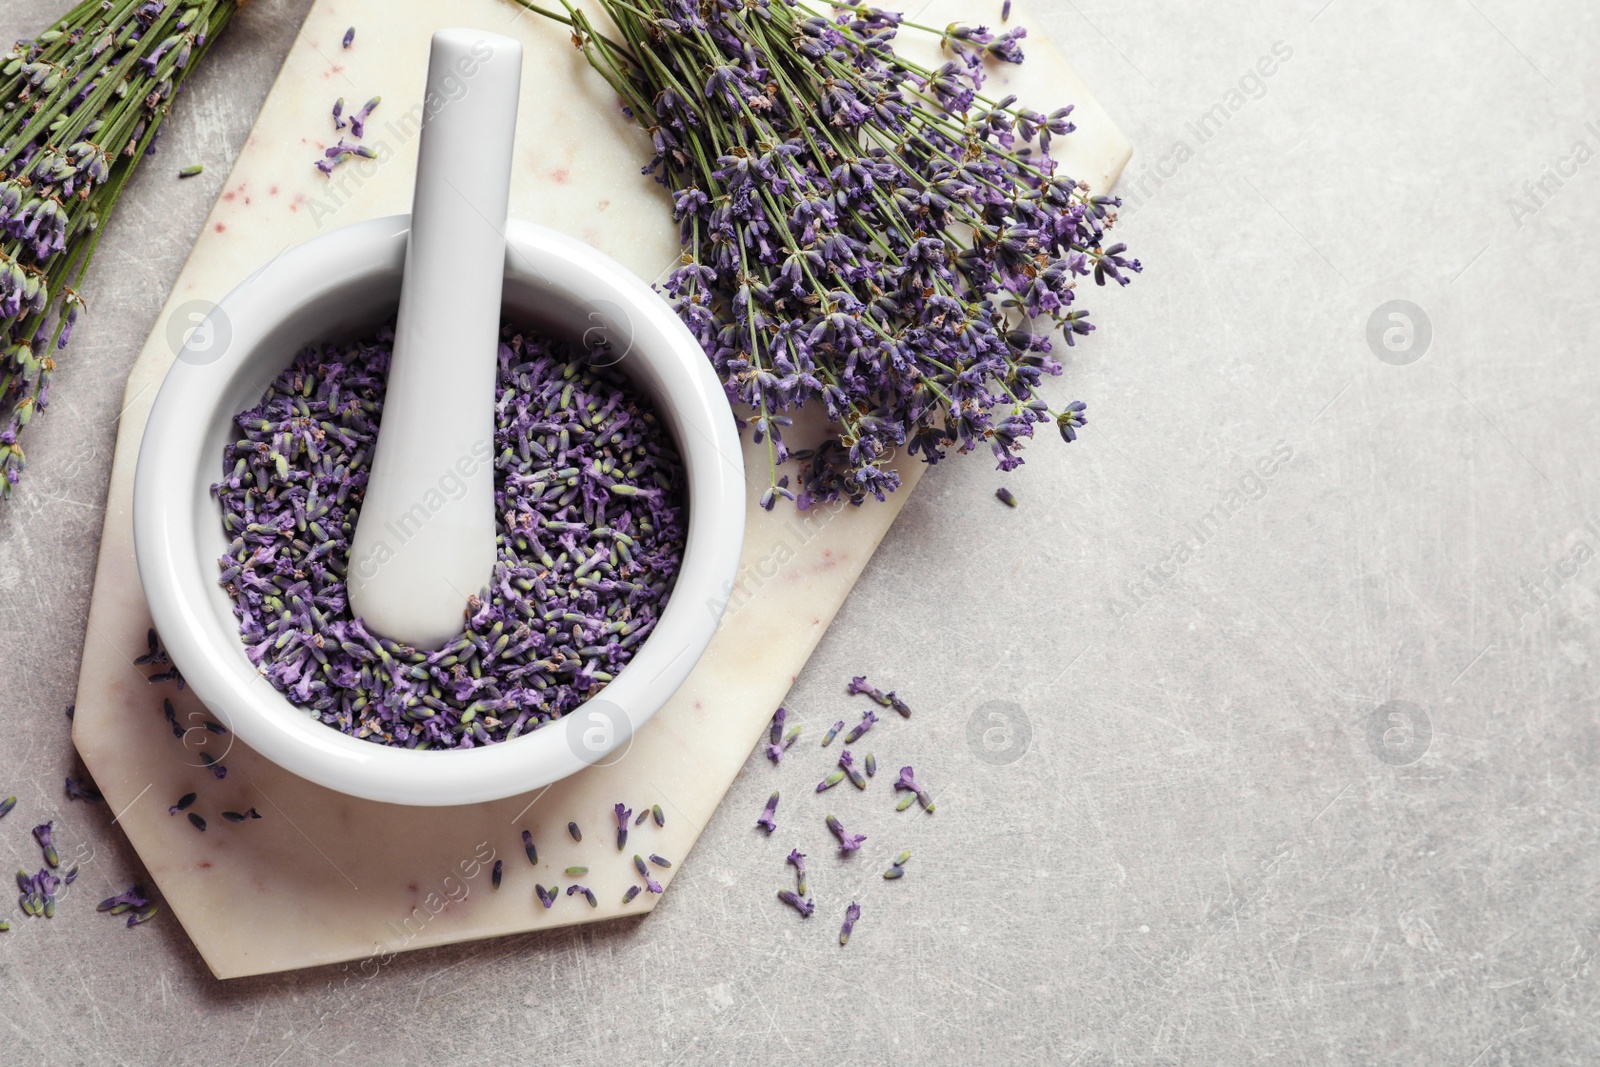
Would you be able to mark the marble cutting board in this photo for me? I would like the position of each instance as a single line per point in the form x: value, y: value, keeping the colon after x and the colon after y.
x: 324, y: 878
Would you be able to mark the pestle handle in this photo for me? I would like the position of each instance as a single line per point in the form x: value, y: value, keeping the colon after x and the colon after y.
x: 425, y: 538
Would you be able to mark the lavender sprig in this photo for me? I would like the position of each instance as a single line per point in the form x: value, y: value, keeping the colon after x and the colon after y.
x: 862, y: 234
x: 80, y: 106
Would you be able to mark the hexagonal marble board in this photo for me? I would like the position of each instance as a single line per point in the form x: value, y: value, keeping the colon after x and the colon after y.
x: 322, y: 877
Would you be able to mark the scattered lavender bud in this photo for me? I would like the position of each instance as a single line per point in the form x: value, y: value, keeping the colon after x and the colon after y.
x: 623, y: 814
x: 860, y: 729
x: 766, y: 822
x: 1005, y: 497
x: 129, y: 899
x: 660, y: 861
x: 70, y: 877
x: 199, y: 823
x: 349, y: 37
x: 546, y: 897
x: 192, y: 171
x: 775, y: 751
x: 848, y: 842
x: 183, y: 802
x: 574, y: 872
x: 144, y: 914
x: 804, y: 907
x: 6, y: 805
x: 588, y: 894
x: 775, y: 734
x: 847, y: 764
x: 72, y: 710
x: 858, y: 686
x: 895, y: 872
x: 644, y: 813
x: 906, y: 801
x: 633, y: 891
x: 829, y: 782
x: 644, y: 872
x: 851, y: 914
x: 252, y: 813
x: 833, y: 731
x: 659, y: 815
x: 358, y: 121
x: 527, y: 846
x: 4, y: 926
x: 909, y: 783
x: 872, y: 765
x: 234, y: 816
x: 1005, y: 11
x: 577, y: 834
x: 339, y: 121
x: 496, y: 875
x: 797, y: 859
x: 42, y: 834
x: 903, y: 858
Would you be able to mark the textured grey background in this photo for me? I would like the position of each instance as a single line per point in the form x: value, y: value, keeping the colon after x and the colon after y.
x: 1205, y: 852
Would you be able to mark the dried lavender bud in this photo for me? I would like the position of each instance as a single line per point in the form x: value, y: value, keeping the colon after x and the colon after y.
x: 349, y: 37
x: 766, y: 822
x: 528, y: 847
x: 906, y: 801
x: 860, y: 729
x: 661, y: 862
x: 192, y: 171
x: 1005, y: 497
x: 183, y: 802
x: 644, y: 813
x: 623, y: 814
x: 851, y: 914
x: 581, y: 575
x: 199, y: 823
x: 903, y: 858
x: 577, y: 834
x: 633, y: 891
x: 847, y: 764
x: 6, y: 805
x: 848, y: 842
x: 804, y: 907
x: 70, y: 877
x: 4, y: 926
x: 871, y: 764
x: 588, y: 894
x: 829, y: 782
x: 1005, y: 11
x: 130, y: 898
x: 234, y: 816
x: 775, y: 734
x: 144, y: 914
x: 658, y: 815
x: 546, y: 898
x: 909, y: 783
x: 496, y: 875
x: 339, y: 121
x: 358, y: 121
x: 573, y: 872
x: 797, y: 859
x: 833, y: 731
x: 644, y: 872
x: 895, y: 872
x: 858, y: 686
x: 42, y: 834
x: 775, y: 751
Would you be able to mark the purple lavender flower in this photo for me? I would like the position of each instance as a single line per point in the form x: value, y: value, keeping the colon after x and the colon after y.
x: 766, y: 822
x: 42, y: 834
x: 847, y: 764
x: 644, y: 872
x: 623, y: 814
x: 358, y: 121
x: 349, y: 37
x: 848, y: 842
x: 797, y: 860
x: 804, y: 907
x: 913, y: 789
x: 851, y: 914
x: 546, y: 897
x: 129, y: 899
x: 860, y: 729
x: 833, y: 731
x: 588, y: 894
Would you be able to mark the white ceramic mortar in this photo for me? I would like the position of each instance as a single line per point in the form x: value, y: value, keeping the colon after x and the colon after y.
x: 344, y: 285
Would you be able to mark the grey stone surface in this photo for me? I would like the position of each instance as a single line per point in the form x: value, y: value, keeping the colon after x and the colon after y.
x: 1217, y: 840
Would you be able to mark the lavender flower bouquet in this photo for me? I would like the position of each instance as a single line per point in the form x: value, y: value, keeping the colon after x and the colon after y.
x: 80, y: 105
x: 860, y: 232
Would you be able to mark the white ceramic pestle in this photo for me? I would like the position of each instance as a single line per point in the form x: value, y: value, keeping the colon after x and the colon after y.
x: 425, y: 538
